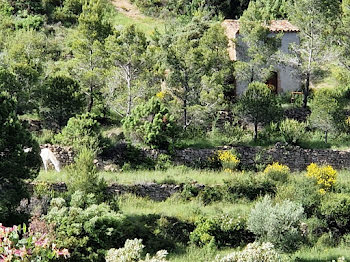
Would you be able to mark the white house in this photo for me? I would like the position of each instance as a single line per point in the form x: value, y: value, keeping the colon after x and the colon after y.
x: 282, y: 79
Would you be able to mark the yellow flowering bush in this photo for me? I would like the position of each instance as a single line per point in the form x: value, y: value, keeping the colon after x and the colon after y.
x: 325, y: 176
x: 228, y: 160
x: 277, y: 172
x: 160, y: 95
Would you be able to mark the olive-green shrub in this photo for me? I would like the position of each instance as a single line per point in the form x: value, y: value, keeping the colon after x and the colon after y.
x: 278, y: 224
x: 292, y: 131
x: 222, y: 230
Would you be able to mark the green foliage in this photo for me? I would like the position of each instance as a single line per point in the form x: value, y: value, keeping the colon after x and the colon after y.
x: 83, y: 175
x: 129, y: 64
x: 93, y: 20
x: 152, y: 124
x: 335, y: 210
x: 82, y: 131
x: 292, y: 131
x: 303, y: 191
x: 278, y: 224
x: 15, y: 164
x: 249, y: 185
x: 259, y: 105
x: 88, y: 230
x: 163, y: 162
x: 230, y: 8
x: 222, y: 230
x: 326, y: 111
x: 62, y: 99
x: 132, y: 251
x: 266, y: 10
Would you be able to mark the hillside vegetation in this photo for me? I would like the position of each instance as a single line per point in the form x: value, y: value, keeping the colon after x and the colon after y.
x: 105, y: 79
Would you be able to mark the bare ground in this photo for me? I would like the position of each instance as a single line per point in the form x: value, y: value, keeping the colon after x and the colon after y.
x: 128, y: 9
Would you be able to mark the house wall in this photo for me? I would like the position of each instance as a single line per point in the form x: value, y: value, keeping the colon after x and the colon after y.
x: 287, y: 80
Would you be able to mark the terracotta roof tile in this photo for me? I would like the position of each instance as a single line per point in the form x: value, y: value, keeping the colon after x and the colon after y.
x: 232, y: 27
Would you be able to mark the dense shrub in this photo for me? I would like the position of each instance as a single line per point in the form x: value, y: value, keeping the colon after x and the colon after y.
x: 82, y: 131
x: 325, y: 176
x: 61, y: 100
x: 249, y: 185
x: 277, y: 172
x: 158, y: 232
x: 222, y: 230
x: 254, y: 252
x: 84, y: 227
x: 278, y: 224
x: 303, y: 191
x: 335, y: 210
x: 15, y: 164
x: 83, y: 175
x: 132, y: 251
x: 292, y: 131
x: 152, y: 124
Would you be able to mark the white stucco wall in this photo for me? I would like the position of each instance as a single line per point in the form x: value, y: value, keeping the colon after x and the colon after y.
x: 287, y: 80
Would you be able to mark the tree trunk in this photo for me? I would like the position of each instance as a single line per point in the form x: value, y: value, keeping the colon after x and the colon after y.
x: 306, y: 90
x: 128, y: 80
x: 255, y: 131
x: 185, y: 114
x: 326, y: 137
x: 91, y: 98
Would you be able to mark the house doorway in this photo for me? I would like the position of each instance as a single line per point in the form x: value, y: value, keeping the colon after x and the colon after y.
x: 272, y: 82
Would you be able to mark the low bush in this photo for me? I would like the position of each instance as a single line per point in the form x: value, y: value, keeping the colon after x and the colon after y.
x: 278, y: 224
x: 335, y: 210
x: 82, y: 131
x: 292, y: 131
x: 256, y: 252
x: 249, y: 185
x: 83, y: 175
x: 325, y: 176
x: 84, y: 227
x: 277, y: 172
x: 132, y: 251
x: 222, y: 230
x: 228, y: 159
x: 303, y: 191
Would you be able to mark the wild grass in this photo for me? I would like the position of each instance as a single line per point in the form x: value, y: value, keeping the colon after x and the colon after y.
x: 321, y: 254
x: 145, y: 24
x: 175, y: 175
x: 197, y: 254
x: 176, y: 207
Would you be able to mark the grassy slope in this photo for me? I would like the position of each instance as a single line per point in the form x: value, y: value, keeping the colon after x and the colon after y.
x: 128, y: 15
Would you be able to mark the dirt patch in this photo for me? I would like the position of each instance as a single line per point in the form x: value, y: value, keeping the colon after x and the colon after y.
x: 128, y: 9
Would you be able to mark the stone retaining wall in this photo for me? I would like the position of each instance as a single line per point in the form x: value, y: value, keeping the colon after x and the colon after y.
x: 293, y: 156
x: 64, y: 154
x: 157, y: 192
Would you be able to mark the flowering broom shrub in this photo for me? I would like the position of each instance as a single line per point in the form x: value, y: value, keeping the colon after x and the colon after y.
x: 16, y: 244
x: 228, y: 159
x: 325, y: 176
x: 277, y: 172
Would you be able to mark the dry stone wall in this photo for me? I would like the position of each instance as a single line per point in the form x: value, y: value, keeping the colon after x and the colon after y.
x: 293, y: 156
x: 64, y: 154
